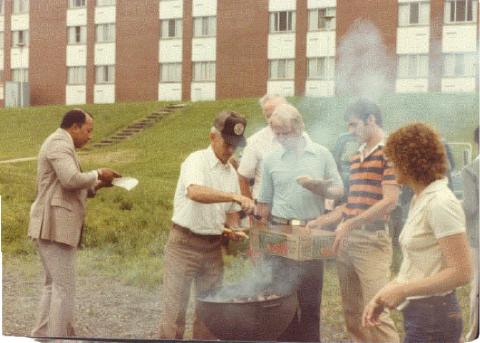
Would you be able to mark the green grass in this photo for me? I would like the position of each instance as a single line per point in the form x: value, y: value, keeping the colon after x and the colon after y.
x: 137, y: 222
x: 129, y: 229
x: 24, y: 129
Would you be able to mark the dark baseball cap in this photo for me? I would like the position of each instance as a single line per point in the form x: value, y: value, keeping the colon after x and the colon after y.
x: 232, y: 126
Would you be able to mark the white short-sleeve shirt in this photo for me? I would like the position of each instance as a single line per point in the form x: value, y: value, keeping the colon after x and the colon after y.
x: 203, y: 168
x: 436, y: 213
x: 258, y: 146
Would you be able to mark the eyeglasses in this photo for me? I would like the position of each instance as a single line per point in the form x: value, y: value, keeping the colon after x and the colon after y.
x: 283, y: 133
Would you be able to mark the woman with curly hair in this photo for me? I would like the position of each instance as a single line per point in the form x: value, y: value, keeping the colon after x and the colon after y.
x: 436, y: 257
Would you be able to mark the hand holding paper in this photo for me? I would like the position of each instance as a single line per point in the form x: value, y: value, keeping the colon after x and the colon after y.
x: 126, y: 182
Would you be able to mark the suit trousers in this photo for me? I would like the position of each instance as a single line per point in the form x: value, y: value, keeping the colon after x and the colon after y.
x: 55, y: 316
x: 363, y: 267
x: 189, y: 258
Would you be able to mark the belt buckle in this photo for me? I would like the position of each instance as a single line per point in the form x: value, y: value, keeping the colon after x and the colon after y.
x: 298, y: 222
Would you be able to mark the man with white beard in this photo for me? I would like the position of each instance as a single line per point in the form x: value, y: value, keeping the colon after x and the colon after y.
x: 283, y: 200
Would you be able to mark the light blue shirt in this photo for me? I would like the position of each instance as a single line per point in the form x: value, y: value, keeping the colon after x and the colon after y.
x: 281, y: 167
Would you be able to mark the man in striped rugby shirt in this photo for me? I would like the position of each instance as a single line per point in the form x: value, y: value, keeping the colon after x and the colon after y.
x: 362, y: 244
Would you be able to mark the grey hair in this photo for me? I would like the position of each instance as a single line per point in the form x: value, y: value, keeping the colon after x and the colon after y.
x: 213, y: 129
x: 287, y: 115
x: 275, y: 97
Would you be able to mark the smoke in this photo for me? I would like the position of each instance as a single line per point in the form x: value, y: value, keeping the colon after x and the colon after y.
x: 272, y: 276
x: 364, y: 69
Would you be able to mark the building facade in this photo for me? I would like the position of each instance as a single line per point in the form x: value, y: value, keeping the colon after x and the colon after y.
x: 105, y: 51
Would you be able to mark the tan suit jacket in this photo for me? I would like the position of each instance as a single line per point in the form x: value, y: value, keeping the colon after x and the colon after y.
x: 58, y: 212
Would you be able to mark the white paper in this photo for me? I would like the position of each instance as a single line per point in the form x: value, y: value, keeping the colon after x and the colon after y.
x: 126, y: 182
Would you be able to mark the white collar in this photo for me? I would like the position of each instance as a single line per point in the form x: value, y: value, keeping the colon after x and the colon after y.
x: 213, y: 160
x: 436, y: 186
x: 362, y: 147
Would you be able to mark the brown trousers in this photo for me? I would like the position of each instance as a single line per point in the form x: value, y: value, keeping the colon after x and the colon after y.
x: 363, y: 267
x: 188, y: 258
x: 55, y: 317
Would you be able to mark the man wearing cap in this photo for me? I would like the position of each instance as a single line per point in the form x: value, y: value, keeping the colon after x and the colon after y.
x: 286, y: 201
x: 207, y: 199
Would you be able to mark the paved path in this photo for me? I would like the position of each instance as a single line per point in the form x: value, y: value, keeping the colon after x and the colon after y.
x: 16, y: 160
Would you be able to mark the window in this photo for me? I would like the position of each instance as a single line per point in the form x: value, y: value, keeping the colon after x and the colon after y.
x: 460, y: 65
x: 105, y: 33
x: 77, y: 35
x: 321, y: 19
x: 460, y: 11
x: 105, y: 74
x: 2, y: 7
x: 321, y: 68
x: 414, y: 13
x: 171, y: 28
x: 2, y: 41
x: 105, y: 3
x: 204, y: 26
x: 412, y: 66
x: 20, y: 6
x: 76, y: 75
x: 19, y: 38
x: 204, y: 71
x: 170, y: 72
x: 281, y: 69
x: 20, y: 74
x: 1, y: 76
x: 282, y: 21
x: 76, y: 3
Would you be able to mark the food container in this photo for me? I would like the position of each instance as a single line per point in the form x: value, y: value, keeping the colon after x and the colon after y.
x: 288, y: 241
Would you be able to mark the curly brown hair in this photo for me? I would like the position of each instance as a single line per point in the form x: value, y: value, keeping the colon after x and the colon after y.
x: 418, y: 153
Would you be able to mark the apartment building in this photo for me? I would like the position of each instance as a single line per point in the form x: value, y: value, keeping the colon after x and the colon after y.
x: 104, y: 51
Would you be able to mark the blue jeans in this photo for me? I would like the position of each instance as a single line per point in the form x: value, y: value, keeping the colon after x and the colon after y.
x: 435, y: 319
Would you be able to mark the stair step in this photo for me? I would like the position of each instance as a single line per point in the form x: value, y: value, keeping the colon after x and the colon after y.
x: 155, y: 116
x: 144, y: 123
x: 176, y: 105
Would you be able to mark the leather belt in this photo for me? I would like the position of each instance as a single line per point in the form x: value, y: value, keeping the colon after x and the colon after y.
x: 283, y: 221
x: 189, y: 232
x: 375, y: 226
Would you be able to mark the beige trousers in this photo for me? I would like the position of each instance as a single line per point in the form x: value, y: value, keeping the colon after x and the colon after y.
x: 188, y: 259
x: 55, y: 316
x: 363, y: 267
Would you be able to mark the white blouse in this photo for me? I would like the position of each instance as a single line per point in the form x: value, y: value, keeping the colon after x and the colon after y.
x: 434, y: 214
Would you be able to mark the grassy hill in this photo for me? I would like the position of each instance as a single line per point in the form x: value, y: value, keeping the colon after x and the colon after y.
x: 137, y: 221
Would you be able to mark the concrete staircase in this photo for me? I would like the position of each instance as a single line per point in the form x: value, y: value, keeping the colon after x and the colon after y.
x: 138, y: 126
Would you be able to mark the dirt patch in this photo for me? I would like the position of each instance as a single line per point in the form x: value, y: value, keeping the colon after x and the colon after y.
x: 104, y: 307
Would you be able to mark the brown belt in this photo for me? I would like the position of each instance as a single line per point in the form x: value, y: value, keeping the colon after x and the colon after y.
x: 375, y: 226
x: 189, y: 232
x: 283, y: 221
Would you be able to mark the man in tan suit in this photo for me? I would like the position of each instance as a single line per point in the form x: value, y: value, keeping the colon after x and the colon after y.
x: 57, y: 216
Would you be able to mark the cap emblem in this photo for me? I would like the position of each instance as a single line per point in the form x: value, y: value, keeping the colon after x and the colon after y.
x: 238, y: 129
